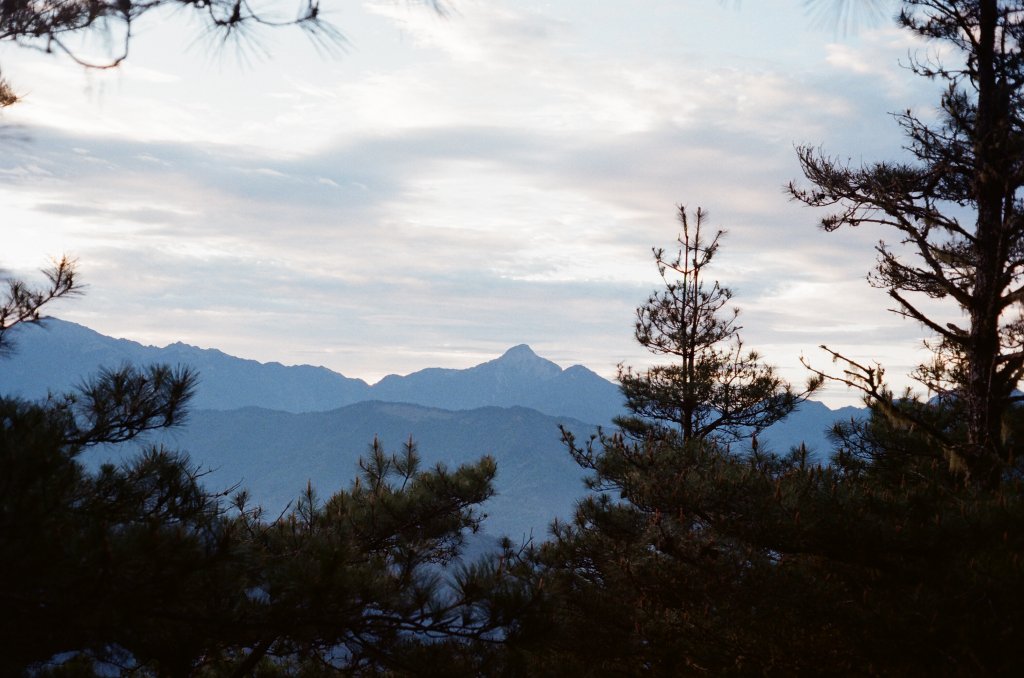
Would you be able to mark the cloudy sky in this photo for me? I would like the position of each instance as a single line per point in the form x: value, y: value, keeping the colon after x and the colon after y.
x: 443, y: 188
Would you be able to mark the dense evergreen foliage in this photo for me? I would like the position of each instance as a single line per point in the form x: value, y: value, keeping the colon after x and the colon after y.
x: 712, y: 562
x: 969, y: 158
x: 139, y: 566
x: 904, y: 554
x: 695, y: 554
x: 142, y: 568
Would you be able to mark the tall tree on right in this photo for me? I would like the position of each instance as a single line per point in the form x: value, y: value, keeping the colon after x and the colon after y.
x: 970, y: 161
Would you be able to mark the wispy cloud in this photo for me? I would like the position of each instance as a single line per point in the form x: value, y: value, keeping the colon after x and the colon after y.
x: 469, y: 182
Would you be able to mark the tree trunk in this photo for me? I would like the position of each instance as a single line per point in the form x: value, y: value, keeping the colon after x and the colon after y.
x: 983, y: 403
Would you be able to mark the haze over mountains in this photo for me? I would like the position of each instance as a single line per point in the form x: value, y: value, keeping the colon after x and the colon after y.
x: 271, y: 428
x: 273, y: 454
x: 59, y: 354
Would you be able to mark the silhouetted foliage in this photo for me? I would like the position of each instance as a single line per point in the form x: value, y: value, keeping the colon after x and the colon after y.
x: 698, y: 560
x: 957, y: 215
x: 22, y: 303
x: 664, y: 579
x: 93, y: 557
x: 51, y: 26
x: 369, y: 579
x: 137, y: 566
x: 56, y: 26
x: 713, y: 388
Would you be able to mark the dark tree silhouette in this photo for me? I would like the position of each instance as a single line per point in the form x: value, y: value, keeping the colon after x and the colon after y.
x: 22, y: 303
x: 969, y: 163
x: 632, y: 580
x: 138, y: 565
x: 713, y: 388
x: 358, y: 582
x: 49, y: 26
x: 694, y: 559
x: 53, y: 26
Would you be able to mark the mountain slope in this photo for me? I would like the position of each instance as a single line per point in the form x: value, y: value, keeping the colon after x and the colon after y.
x: 810, y: 424
x: 58, y: 355
x: 273, y: 454
x: 519, y: 377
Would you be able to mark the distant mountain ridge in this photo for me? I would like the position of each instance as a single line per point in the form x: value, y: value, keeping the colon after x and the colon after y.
x: 518, y: 378
x: 60, y: 354
x: 272, y: 454
x: 269, y: 428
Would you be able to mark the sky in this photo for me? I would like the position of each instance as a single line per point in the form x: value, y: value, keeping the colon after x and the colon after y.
x: 440, y: 188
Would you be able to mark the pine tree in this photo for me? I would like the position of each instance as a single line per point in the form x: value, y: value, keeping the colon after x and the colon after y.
x: 23, y: 303
x: 904, y: 554
x: 53, y: 27
x: 138, y: 565
x: 665, y: 579
x: 714, y: 389
x: 969, y: 159
x: 92, y: 556
x: 370, y: 580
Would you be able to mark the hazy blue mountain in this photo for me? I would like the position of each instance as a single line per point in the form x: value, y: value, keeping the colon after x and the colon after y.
x: 809, y: 424
x: 518, y: 378
x: 58, y: 355
x: 309, y: 423
x: 273, y: 454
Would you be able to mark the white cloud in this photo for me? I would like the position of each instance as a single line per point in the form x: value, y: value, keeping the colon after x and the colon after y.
x: 474, y: 181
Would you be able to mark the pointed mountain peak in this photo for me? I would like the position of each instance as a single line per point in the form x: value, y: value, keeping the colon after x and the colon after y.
x: 520, y: 352
x: 523, y: 361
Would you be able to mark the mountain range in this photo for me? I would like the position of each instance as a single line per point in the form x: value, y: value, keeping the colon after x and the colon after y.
x: 271, y: 428
x: 58, y: 355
